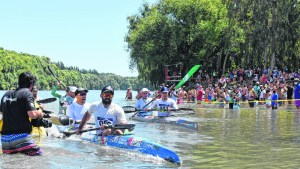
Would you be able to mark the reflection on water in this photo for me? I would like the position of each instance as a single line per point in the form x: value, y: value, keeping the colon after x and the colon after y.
x: 249, y: 138
x: 241, y: 138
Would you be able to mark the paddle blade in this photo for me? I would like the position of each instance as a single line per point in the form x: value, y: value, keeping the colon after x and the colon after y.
x: 65, y: 120
x: 186, y: 109
x: 69, y: 133
x: 130, y: 127
x: 48, y: 100
x: 187, y: 76
x: 129, y: 109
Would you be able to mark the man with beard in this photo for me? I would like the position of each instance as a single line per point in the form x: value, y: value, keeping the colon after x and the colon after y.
x: 105, y: 113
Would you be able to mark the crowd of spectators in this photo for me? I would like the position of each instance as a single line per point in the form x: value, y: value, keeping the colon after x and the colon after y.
x: 254, y: 86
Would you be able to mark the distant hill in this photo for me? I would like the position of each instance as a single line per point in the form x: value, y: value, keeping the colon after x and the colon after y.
x: 13, y: 63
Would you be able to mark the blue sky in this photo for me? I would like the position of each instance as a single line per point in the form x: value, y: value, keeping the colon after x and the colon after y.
x: 87, y: 34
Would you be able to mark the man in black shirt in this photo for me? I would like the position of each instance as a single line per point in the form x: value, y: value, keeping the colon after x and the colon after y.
x: 17, y: 107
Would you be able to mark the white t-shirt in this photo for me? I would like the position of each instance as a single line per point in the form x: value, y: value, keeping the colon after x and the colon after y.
x: 268, y: 101
x: 77, y: 111
x: 113, y: 114
x: 142, y: 102
x: 164, y: 104
x: 262, y: 94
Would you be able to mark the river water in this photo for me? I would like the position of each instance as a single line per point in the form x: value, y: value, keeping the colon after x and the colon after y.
x: 238, y: 138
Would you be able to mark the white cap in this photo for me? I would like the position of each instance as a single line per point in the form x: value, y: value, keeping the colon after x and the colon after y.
x: 144, y: 90
x: 73, y: 88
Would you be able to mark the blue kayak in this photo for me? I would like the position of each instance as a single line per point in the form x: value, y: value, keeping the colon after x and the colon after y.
x: 166, y: 118
x: 130, y: 142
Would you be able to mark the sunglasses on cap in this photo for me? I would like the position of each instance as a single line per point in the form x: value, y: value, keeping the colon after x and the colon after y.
x: 107, y: 95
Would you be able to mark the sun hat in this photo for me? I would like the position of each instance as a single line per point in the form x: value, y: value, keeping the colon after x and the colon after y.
x: 72, y: 88
x: 144, y: 90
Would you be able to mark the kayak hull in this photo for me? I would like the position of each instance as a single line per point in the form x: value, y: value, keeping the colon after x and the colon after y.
x: 130, y: 142
x: 162, y: 117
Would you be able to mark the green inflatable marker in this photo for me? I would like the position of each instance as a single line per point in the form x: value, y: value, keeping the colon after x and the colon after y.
x: 187, y: 76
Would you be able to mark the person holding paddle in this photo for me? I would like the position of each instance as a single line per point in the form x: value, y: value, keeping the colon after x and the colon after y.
x: 65, y: 100
x: 105, y: 113
x: 165, y: 103
x: 141, y: 104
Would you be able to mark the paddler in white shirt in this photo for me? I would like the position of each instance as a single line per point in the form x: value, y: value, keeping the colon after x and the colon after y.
x: 144, y: 100
x: 164, y: 103
x: 77, y: 109
x: 105, y: 113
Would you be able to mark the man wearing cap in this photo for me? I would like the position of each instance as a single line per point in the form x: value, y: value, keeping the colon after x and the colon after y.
x: 65, y: 100
x: 165, y: 103
x: 77, y: 109
x: 105, y: 113
x: 140, y: 104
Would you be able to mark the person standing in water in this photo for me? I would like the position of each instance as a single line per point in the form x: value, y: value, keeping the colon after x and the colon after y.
x: 128, y: 94
x: 297, y: 93
x: 17, y: 106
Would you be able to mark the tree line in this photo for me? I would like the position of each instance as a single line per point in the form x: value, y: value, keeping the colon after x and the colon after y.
x: 13, y: 63
x: 221, y: 35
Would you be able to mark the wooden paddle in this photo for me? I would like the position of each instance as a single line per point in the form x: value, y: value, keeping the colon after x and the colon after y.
x: 130, y: 127
x: 48, y: 100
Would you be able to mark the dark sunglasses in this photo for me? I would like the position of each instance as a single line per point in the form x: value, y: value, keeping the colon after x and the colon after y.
x: 107, y: 95
x: 82, y: 94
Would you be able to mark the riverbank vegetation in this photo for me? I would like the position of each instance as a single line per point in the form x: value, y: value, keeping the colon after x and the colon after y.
x: 13, y: 63
x: 221, y: 35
